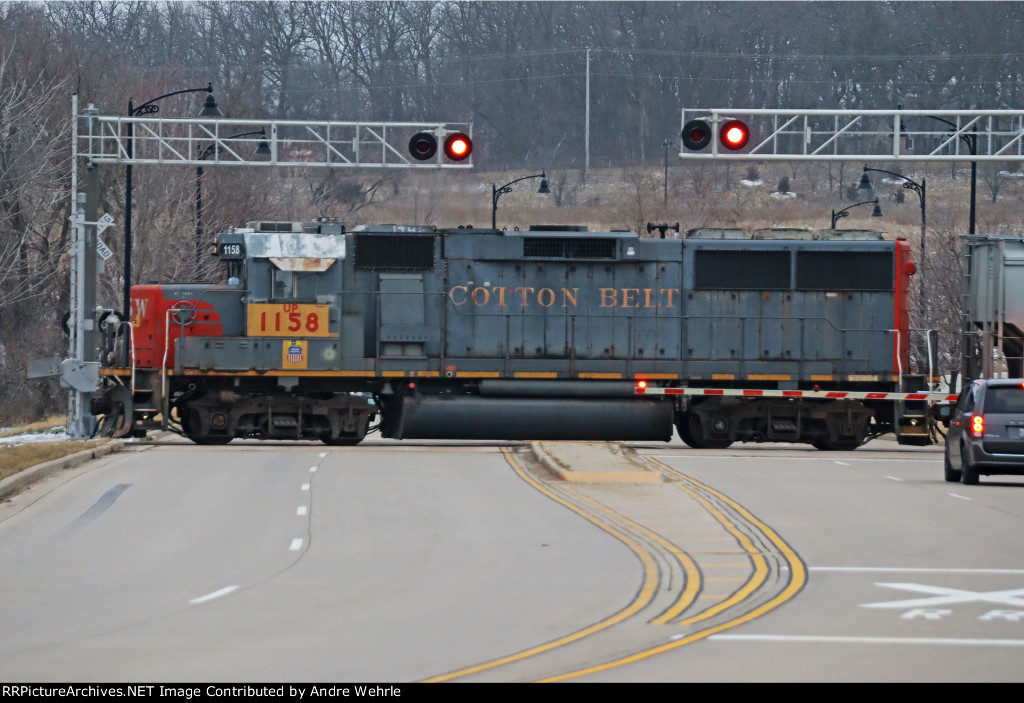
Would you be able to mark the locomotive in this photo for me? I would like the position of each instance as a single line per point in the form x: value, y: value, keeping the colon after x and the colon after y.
x: 327, y: 333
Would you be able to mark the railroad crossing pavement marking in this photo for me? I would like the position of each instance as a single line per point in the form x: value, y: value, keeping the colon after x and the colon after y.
x: 947, y: 596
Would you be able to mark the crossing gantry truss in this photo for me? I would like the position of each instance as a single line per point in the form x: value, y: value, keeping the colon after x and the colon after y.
x: 214, y: 141
x: 133, y: 141
x: 867, y: 135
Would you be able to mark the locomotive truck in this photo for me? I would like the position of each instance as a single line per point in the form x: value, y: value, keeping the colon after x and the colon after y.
x: 555, y: 332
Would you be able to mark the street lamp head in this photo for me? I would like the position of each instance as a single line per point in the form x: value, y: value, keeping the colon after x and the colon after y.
x: 865, y: 181
x: 877, y: 212
x: 543, y: 190
x: 263, y: 150
x: 210, y: 108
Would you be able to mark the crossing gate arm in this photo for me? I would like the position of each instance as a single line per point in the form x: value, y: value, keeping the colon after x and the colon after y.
x: 771, y: 393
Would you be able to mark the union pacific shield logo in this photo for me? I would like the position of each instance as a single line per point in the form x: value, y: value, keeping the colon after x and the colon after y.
x: 294, y: 354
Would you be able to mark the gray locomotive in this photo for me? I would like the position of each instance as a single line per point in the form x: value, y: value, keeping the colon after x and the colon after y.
x: 462, y: 333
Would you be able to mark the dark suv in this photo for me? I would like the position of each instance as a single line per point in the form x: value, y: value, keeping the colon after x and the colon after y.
x: 986, y: 430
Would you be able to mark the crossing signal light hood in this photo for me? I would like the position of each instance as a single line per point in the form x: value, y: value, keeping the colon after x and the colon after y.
x: 696, y: 134
x: 423, y: 146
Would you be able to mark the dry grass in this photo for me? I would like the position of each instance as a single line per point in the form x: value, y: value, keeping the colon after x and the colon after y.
x: 18, y: 458
x: 697, y: 197
x: 24, y: 456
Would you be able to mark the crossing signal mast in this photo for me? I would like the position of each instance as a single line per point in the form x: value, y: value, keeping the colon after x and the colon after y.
x: 208, y: 142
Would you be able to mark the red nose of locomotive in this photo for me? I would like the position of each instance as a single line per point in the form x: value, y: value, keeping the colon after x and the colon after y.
x: 163, y: 313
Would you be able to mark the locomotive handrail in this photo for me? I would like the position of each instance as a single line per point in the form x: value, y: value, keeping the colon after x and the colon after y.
x: 131, y: 346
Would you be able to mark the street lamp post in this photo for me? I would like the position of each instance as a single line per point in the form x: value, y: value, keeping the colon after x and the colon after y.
x: 877, y: 212
x: 971, y: 140
x: 497, y: 192
x: 919, y: 188
x: 149, y: 107
x: 262, y: 150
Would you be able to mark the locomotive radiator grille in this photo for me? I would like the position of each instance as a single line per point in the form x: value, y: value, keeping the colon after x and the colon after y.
x: 394, y: 252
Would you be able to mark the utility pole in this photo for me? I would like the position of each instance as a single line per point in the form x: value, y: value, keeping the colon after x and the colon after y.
x: 586, y: 129
x: 666, y: 144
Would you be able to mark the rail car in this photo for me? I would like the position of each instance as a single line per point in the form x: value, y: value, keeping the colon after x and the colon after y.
x: 328, y: 333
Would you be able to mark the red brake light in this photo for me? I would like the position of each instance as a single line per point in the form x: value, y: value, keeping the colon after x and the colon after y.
x: 978, y: 426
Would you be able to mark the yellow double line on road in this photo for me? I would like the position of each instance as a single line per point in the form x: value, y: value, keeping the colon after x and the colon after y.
x: 797, y: 579
x: 640, y: 601
x: 648, y: 589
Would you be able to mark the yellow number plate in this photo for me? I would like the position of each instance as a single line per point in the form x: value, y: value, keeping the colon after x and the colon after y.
x: 290, y: 320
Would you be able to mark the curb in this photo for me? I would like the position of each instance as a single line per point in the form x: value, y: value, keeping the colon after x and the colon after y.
x: 19, y: 481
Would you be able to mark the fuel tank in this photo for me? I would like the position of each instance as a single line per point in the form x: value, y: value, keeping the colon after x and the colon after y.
x: 474, y: 417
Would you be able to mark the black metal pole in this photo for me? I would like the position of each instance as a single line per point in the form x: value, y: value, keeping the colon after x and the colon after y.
x: 129, y: 148
x: 147, y: 108
x: 844, y: 212
x: 918, y: 188
x: 497, y: 192
x: 494, y: 206
x: 972, y: 143
x: 199, y: 218
x: 974, y: 184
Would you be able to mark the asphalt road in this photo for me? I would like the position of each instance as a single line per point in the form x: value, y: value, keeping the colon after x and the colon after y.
x: 468, y: 561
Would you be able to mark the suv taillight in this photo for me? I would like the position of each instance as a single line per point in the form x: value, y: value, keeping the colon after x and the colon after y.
x: 977, y: 426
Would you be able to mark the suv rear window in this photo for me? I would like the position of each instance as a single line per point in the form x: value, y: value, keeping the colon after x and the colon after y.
x: 1004, y: 400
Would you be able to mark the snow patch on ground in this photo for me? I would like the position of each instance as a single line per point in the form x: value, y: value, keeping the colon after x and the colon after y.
x: 783, y: 196
x: 54, y: 434
x: 748, y: 182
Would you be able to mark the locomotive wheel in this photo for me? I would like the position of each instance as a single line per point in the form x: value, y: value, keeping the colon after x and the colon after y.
x: 691, y: 431
x: 211, y: 440
x: 350, y: 440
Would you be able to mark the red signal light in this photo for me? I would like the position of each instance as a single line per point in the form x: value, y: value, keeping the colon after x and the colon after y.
x: 696, y: 134
x: 458, y: 146
x: 423, y: 146
x: 978, y: 426
x: 734, y: 135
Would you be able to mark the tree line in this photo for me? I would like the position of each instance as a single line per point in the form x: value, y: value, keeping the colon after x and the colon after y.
x: 519, y: 71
